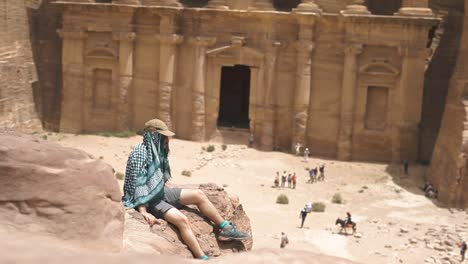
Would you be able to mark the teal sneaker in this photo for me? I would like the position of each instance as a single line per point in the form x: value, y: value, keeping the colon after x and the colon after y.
x: 230, y: 232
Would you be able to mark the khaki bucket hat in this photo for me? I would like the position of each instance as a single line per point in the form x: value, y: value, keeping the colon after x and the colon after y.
x: 159, y: 126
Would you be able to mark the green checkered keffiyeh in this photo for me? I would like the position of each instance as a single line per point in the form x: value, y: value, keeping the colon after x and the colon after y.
x: 147, y: 171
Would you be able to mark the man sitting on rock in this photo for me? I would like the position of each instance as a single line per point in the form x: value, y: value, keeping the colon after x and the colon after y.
x: 144, y: 189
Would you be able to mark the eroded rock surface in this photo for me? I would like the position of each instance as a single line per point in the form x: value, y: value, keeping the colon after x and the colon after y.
x: 47, y: 189
x: 163, y: 238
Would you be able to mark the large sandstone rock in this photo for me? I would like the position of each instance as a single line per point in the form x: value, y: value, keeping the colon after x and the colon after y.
x: 448, y: 170
x: 162, y: 238
x: 59, y: 192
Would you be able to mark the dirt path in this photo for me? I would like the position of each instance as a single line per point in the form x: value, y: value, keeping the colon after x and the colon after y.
x: 396, y: 223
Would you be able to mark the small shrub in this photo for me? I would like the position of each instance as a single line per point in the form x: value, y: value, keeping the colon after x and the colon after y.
x: 225, y: 185
x: 119, y: 175
x: 282, y: 199
x: 44, y: 137
x: 397, y: 190
x: 101, y: 157
x: 318, y: 207
x: 187, y: 173
x: 337, y: 198
x: 307, y: 169
x: 210, y: 148
x: 224, y: 147
x: 121, y: 134
x: 365, y: 187
x: 361, y: 191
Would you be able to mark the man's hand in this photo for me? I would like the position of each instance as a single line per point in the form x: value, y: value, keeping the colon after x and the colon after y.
x: 150, y: 219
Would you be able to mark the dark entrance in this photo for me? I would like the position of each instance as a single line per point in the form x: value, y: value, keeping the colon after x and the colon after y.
x: 234, y: 98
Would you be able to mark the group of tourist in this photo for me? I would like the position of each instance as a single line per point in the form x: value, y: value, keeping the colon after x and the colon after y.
x: 317, y: 174
x: 290, y: 178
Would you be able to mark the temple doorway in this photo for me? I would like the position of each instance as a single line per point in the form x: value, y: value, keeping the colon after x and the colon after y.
x: 234, y: 97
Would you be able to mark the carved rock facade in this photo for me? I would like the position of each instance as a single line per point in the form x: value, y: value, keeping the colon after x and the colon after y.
x: 346, y: 85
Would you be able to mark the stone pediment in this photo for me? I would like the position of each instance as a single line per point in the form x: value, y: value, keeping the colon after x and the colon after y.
x: 101, y: 53
x: 379, y: 67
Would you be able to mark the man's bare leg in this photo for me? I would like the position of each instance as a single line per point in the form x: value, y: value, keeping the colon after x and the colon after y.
x: 198, y: 198
x: 178, y: 219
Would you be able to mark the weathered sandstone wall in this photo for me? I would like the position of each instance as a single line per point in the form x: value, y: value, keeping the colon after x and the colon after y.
x: 17, y: 69
x: 448, y: 170
x: 439, y: 72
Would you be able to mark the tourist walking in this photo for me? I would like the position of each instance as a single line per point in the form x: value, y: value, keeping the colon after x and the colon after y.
x: 322, y: 172
x: 283, y: 179
x: 251, y: 140
x: 277, y: 178
x: 297, y: 147
x: 290, y: 180
x: 306, y: 155
x: 303, y: 215
x: 294, y: 180
x: 311, y: 176
x: 284, y: 240
x: 405, y: 167
x: 463, y: 248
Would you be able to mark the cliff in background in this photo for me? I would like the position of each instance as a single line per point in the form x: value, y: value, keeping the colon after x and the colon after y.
x: 448, y: 169
x: 18, y: 73
x: 439, y: 73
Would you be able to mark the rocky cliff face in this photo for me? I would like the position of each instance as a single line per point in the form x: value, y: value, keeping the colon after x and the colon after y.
x: 439, y: 73
x: 18, y: 73
x: 448, y: 168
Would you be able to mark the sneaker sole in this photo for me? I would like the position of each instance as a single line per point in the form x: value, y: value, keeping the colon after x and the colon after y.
x: 232, y: 238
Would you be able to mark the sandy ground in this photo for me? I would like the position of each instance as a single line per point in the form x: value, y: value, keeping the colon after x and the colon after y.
x: 396, y: 223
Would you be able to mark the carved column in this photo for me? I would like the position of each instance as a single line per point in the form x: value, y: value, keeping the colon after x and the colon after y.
x: 268, y: 124
x: 167, y: 66
x: 415, y: 8
x: 71, y: 120
x: 217, y: 4
x: 409, y: 96
x: 348, y: 94
x: 126, y: 77
x: 262, y: 5
x: 198, y: 87
x: 304, y: 48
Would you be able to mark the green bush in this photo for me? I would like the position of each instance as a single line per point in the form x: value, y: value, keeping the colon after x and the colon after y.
x: 224, y: 147
x: 318, y: 207
x: 121, y: 134
x: 187, y: 173
x: 210, y: 148
x: 337, y: 198
x: 282, y: 199
x: 119, y: 175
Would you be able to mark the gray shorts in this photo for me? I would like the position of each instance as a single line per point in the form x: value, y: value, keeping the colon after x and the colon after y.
x: 171, y: 200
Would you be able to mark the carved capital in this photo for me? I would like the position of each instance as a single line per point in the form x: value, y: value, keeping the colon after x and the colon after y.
x: 306, y: 46
x: 71, y: 33
x: 237, y: 41
x: 124, y: 36
x: 172, y: 39
x: 353, y: 49
x: 202, y: 41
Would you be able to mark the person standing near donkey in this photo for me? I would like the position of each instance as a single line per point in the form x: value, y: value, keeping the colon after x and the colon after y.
x: 145, y: 190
